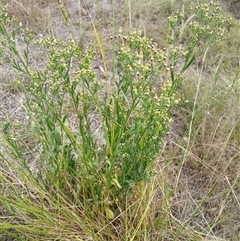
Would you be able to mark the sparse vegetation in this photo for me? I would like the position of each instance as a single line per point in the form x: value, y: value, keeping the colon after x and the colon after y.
x: 107, y: 134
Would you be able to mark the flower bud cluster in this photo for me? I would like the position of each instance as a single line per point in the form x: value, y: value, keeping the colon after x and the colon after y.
x: 209, y: 23
x: 205, y: 27
x: 145, y: 98
x: 67, y: 65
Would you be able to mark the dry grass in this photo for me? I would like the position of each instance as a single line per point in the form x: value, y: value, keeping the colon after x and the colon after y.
x: 33, y: 14
x: 198, y: 172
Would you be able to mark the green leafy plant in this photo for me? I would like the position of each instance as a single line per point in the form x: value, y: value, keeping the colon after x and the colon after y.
x: 94, y: 167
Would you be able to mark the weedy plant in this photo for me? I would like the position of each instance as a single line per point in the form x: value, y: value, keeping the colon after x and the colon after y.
x: 86, y: 172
